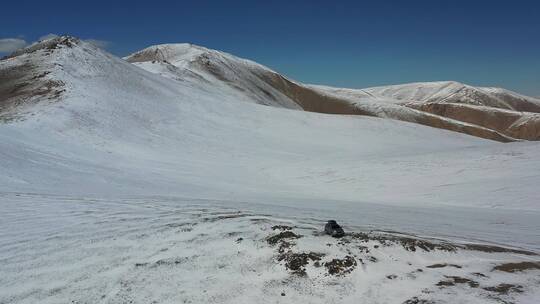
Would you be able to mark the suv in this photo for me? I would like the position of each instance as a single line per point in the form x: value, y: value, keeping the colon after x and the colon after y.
x: 332, y: 228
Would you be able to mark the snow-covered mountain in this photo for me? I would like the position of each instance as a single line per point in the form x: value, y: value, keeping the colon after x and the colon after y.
x: 76, y: 110
x: 500, y: 110
x: 455, y: 92
x: 447, y: 105
x: 239, y: 78
x: 117, y: 175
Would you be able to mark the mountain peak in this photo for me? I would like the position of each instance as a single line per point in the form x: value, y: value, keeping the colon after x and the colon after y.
x: 47, y: 44
x: 170, y: 52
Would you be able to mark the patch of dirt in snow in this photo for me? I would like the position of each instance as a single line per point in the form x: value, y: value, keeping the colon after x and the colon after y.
x: 416, y: 300
x: 282, y: 236
x: 341, y: 266
x: 408, y: 243
x: 281, y: 227
x: 518, y: 267
x: 296, y: 262
x: 495, y: 249
x: 453, y: 280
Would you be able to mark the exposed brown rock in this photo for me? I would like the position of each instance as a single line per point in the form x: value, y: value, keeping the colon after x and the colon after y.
x: 341, y: 266
x: 453, y: 280
x: 416, y: 300
x: 21, y: 85
x: 296, y: 262
x: 274, y: 239
x: 520, y: 125
x: 309, y: 99
x: 518, y: 267
x: 505, y: 288
x: 315, y: 101
x: 281, y: 227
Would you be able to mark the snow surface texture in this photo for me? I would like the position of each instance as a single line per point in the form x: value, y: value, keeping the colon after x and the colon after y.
x: 118, y: 131
x: 60, y: 250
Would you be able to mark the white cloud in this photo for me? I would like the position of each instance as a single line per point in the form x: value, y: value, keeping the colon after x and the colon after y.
x: 99, y: 43
x: 8, y: 45
x: 48, y: 36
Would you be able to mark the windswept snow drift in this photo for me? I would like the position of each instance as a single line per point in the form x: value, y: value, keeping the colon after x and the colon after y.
x: 98, y: 174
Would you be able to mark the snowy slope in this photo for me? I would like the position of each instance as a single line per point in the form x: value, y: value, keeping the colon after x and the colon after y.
x: 122, y: 130
x: 497, y: 110
x: 248, y: 81
x: 119, y: 179
x: 236, y: 77
x: 58, y: 249
x: 451, y: 91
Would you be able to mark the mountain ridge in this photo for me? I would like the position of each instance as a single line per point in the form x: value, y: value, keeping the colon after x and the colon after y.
x: 448, y: 105
x: 266, y: 84
x: 117, y: 130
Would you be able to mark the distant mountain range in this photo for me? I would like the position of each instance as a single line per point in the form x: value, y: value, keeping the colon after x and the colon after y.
x: 180, y: 119
x: 491, y: 113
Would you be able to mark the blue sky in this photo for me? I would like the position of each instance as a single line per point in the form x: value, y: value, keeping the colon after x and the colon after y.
x: 346, y: 43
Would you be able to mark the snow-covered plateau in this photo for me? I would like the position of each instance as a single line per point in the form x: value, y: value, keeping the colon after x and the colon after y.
x: 181, y: 174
